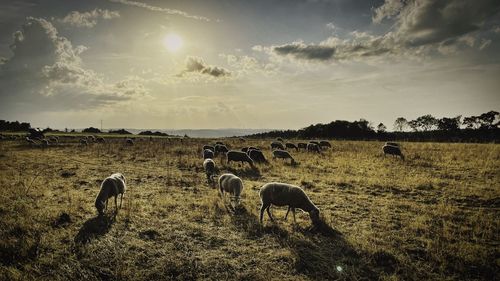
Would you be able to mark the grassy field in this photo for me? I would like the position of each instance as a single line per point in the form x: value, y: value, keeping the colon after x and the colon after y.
x: 434, y: 216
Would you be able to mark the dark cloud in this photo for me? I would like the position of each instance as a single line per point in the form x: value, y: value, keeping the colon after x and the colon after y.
x: 307, y: 52
x: 197, y: 65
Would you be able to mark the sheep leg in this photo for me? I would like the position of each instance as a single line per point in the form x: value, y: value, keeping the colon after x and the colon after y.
x: 286, y: 216
x: 293, y: 213
x: 106, y: 205
x: 121, y: 199
x: 269, y: 213
x: 116, y: 203
x: 262, y: 208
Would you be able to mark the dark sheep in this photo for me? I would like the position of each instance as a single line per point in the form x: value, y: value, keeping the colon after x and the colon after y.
x: 282, y: 194
x: 324, y: 144
x: 220, y: 148
x: 209, y: 166
x: 279, y: 139
x: 291, y: 145
x: 302, y: 145
x: 238, y: 156
x: 313, y: 147
x: 392, y: 143
x: 277, y: 145
x: 393, y: 150
x: 209, y: 147
x: 283, y: 154
x: 256, y: 156
x: 208, y: 154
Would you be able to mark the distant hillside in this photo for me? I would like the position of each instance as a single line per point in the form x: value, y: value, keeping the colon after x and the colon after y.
x: 206, y: 133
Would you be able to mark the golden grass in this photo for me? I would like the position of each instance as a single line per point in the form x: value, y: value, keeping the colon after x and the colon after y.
x: 431, y: 217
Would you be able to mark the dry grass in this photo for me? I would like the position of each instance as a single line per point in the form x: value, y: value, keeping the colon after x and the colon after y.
x: 432, y: 217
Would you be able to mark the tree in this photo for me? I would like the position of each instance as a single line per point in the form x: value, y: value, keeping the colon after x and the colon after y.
x: 449, y: 124
x: 471, y: 122
x: 487, y: 120
x: 426, y: 122
x: 91, y: 130
x: 400, y: 124
x: 414, y: 125
x: 381, y: 128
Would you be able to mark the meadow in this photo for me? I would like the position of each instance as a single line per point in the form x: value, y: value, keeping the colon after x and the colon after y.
x: 433, y: 216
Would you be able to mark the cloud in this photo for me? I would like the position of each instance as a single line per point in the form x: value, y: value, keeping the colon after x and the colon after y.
x: 420, y: 27
x: 46, y: 72
x: 160, y: 9
x: 88, y: 19
x: 197, y: 65
x: 300, y: 50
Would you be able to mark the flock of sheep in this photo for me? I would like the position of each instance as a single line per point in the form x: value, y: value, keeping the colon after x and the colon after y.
x: 274, y: 193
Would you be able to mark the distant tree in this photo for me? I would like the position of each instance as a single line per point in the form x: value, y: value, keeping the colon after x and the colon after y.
x: 120, y: 132
x: 426, y: 122
x: 449, y: 124
x: 66, y: 130
x: 414, y: 125
x: 471, y: 122
x: 72, y: 131
x: 400, y: 124
x: 381, y: 128
x: 150, y: 133
x: 91, y: 130
x: 487, y: 120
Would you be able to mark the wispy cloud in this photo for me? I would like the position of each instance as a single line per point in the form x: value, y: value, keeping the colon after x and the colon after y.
x: 88, y: 19
x: 160, y: 9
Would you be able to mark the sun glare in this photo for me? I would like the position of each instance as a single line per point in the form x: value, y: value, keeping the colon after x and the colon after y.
x: 172, y: 42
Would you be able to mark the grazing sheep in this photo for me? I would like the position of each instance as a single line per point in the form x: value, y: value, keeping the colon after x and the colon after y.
x: 207, y: 153
x: 302, y: 145
x: 84, y: 142
x: 54, y: 139
x: 233, y: 185
x: 220, y: 148
x: 315, y: 142
x: 392, y: 143
x: 393, y: 150
x: 324, y: 143
x: 45, y: 142
x: 256, y: 156
x: 239, y: 156
x: 30, y: 141
x: 100, y: 140
x: 282, y: 194
x: 279, y: 139
x: 313, y: 147
x: 91, y: 138
x: 291, y: 145
x: 209, y: 147
x: 209, y: 166
x: 242, y: 139
x: 283, y: 154
x: 277, y: 145
x: 246, y: 149
x: 129, y: 141
x: 112, y: 186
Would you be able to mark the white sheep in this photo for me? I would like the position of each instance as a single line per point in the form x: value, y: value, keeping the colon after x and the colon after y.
x: 283, y: 194
x: 112, y: 186
x: 233, y: 185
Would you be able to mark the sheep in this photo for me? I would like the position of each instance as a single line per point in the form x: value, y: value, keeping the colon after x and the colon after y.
x: 233, y: 185
x: 112, y: 186
x: 207, y: 153
x: 393, y: 150
x: 219, y: 142
x: 256, y: 156
x: 311, y: 147
x: 209, y: 166
x: 30, y: 141
x: 45, y: 142
x: 220, y: 148
x: 324, y: 143
x: 291, y: 145
x: 315, y: 142
x: 211, y: 147
x: 277, y: 145
x: 282, y: 194
x: 129, y: 141
x: 239, y: 156
x: 283, y: 154
x: 100, y: 140
x: 91, y: 138
x: 302, y: 145
x: 246, y: 149
x: 279, y: 139
x: 84, y: 142
x: 54, y: 139
x: 242, y: 139
x: 392, y: 143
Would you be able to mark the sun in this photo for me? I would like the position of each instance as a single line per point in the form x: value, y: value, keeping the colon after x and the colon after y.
x: 172, y: 42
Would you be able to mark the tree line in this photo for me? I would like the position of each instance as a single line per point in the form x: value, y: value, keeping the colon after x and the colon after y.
x: 481, y: 128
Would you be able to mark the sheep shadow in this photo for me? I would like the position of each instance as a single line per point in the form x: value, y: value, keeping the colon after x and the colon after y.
x: 94, y: 227
x: 249, y: 223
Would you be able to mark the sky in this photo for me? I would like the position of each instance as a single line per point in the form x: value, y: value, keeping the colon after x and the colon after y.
x: 281, y: 64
